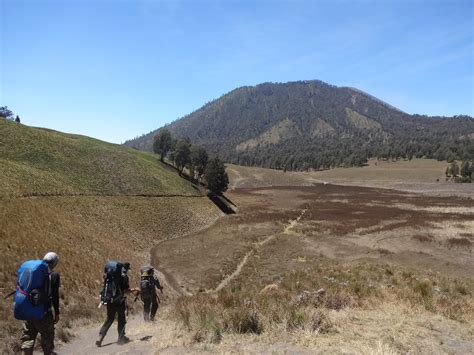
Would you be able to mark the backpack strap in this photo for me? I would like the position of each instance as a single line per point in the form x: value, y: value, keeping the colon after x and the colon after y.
x: 23, y: 292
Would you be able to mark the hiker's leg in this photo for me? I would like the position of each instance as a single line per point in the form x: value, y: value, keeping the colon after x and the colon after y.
x: 154, y: 308
x: 121, y: 318
x: 146, y: 309
x: 111, y: 310
x: 28, y: 337
x: 46, y: 329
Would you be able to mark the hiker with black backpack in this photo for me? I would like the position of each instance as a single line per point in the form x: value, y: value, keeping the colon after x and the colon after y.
x: 115, y: 288
x: 35, y: 297
x: 149, y: 283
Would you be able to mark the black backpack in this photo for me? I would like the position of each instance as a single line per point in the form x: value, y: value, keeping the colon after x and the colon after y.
x: 147, y: 282
x: 112, y: 288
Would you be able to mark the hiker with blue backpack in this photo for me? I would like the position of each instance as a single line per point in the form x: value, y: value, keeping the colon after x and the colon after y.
x: 115, y: 288
x: 35, y: 298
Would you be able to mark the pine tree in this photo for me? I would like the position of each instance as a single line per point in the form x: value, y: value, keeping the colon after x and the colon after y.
x: 216, y: 176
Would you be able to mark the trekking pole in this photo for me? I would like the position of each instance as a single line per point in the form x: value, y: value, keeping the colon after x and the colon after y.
x: 10, y: 294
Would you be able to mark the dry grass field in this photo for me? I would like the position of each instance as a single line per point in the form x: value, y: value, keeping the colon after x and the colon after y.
x: 329, y: 268
x: 418, y: 175
x: 316, y: 268
x: 86, y: 232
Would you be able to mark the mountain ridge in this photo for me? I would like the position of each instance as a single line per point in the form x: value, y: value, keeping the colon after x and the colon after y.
x: 326, y: 126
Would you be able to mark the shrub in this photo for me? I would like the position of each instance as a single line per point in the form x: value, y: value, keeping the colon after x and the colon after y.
x: 423, y: 288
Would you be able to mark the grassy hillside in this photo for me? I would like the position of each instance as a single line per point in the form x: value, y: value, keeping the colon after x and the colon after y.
x: 89, y: 201
x: 37, y: 161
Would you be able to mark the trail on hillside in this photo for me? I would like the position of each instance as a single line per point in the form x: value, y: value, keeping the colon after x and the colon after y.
x: 80, y: 194
x: 286, y: 230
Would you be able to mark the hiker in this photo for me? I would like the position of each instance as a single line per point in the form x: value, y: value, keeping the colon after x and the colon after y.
x: 114, y: 291
x: 148, y: 285
x: 36, y: 296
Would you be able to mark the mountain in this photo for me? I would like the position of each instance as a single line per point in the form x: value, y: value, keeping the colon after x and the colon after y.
x: 311, y: 124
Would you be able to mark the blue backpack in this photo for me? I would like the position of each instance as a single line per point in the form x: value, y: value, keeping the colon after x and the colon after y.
x: 112, y: 287
x: 32, y: 290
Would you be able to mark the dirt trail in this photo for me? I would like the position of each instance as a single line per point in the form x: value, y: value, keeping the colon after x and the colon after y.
x: 162, y: 337
x: 294, y: 222
x: 147, y: 338
x: 289, y: 226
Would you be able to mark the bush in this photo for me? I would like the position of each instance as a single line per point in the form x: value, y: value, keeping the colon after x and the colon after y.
x: 423, y: 288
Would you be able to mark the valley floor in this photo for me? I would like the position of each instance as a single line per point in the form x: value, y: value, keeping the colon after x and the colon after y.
x: 426, y: 176
x: 395, y: 268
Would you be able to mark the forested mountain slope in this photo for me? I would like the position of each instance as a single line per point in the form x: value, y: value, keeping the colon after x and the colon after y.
x: 310, y: 124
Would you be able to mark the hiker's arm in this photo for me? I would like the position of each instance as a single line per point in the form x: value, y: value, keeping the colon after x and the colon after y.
x: 158, y: 285
x: 126, y: 286
x: 135, y: 291
x: 55, y: 284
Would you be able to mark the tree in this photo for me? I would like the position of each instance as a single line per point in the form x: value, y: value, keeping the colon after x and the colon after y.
x: 216, y: 176
x: 162, y: 143
x: 182, y: 154
x: 465, y: 169
x: 199, y: 160
x: 454, y: 169
x: 6, y: 113
x: 17, y: 119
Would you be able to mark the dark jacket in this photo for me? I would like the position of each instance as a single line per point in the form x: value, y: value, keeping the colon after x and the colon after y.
x: 53, y: 302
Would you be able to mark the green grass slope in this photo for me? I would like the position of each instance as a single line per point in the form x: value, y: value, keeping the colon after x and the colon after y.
x: 37, y: 161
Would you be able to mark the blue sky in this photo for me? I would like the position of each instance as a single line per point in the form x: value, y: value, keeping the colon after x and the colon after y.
x: 115, y: 69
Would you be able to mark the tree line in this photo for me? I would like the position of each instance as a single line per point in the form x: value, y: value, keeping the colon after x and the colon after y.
x: 183, y: 154
x: 465, y: 173
x: 8, y: 114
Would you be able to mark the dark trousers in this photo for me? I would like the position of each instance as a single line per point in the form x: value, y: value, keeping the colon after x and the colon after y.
x: 45, y: 327
x: 150, y: 302
x: 112, y: 310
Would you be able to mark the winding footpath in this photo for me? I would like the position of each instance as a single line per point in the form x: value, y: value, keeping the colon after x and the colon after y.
x: 287, y: 230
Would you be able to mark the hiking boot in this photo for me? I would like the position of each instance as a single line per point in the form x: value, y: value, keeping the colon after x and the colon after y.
x: 99, y: 342
x: 123, y: 340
